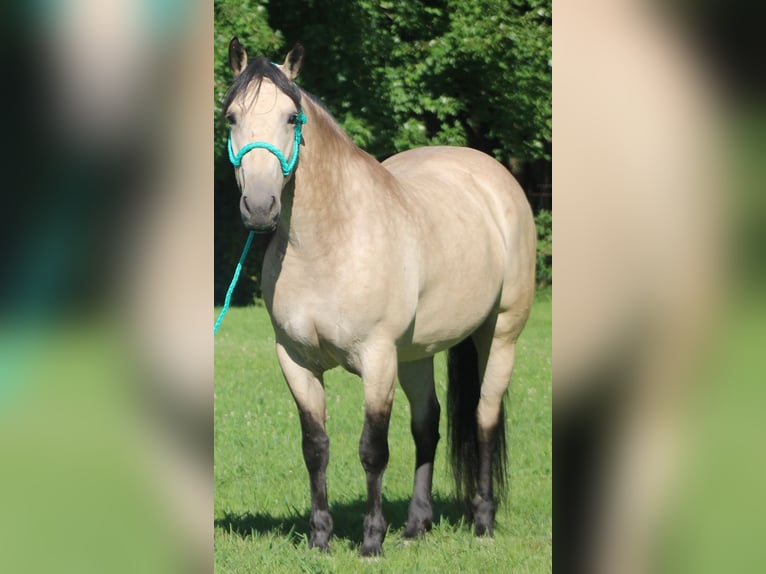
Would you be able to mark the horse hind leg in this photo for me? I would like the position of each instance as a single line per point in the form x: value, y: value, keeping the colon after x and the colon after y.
x: 496, y: 347
x: 417, y: 380
x: 479, y: 371
x: 492, y: 449
x: 308, y: 392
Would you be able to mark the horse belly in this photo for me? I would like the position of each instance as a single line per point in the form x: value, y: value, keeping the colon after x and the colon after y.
x: 453, y: 304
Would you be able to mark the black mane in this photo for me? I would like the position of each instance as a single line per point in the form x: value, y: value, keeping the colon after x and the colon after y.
x: 255, y: 71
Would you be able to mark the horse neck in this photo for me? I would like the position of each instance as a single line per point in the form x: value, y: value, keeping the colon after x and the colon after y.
x: 334, y: 183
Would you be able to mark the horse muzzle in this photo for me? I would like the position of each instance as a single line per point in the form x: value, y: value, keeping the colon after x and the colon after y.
x: 261, y: 214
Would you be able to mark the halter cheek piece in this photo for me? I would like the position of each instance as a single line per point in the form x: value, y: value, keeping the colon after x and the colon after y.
x: 287, y: 166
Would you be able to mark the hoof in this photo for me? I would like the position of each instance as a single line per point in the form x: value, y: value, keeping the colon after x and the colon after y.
x: 323, y: 546
x: 374, y: 534
x: 483, y: 517
x: 484, y: 530
x: 321, y: 531
x: 372, y: 550
x: 417, y: 529
x: 419, y: 518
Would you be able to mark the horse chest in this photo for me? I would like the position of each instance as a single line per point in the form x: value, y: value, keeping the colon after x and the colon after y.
x: 315, y: 322
x: 310, y: 331
x: 331, y: 307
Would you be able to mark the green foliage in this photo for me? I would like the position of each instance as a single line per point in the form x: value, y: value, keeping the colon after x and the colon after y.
x: 544, y: 225
x: 262, y: 491
x: 427, y: 72
x: 247, y: 20
x: 396, y: 74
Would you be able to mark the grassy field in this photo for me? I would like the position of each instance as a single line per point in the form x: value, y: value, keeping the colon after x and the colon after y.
x: 261, y: 485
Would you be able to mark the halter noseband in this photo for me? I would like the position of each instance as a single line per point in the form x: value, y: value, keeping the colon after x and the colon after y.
x: 287, y: 166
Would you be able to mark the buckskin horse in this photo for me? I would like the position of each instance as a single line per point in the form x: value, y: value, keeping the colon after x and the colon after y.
x: 376, y: 267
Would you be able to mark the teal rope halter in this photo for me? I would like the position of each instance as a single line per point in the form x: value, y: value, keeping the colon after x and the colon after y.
x: 287, y: 166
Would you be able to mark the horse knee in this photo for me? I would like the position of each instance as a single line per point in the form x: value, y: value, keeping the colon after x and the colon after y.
x: 316, y: 452
x: 374, y: 456
x: 316, y: 445
x: 373, y: 446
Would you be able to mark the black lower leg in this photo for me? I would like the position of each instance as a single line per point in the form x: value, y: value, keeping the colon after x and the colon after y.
x: 316, y: 454
x: 484, y: 502
x: 373, y: 452
x: 426, y: 435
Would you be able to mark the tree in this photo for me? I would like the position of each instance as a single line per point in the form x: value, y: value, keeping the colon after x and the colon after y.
x: 397, y: 74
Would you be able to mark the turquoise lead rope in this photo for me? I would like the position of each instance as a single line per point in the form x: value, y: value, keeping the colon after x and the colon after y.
x: 233, y: 283
x: 287, y: 168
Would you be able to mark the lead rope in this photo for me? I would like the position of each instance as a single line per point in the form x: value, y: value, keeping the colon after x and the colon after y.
x: 233, y: 283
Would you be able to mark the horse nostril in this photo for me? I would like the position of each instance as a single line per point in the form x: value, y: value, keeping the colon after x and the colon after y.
x: 273, y: 203
x: 244, y: 203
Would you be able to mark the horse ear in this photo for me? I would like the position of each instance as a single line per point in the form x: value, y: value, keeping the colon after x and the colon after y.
x: 294, y: 61
x: 237, y: 57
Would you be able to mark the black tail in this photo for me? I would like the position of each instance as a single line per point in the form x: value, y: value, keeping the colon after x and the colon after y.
x: 463, y: 391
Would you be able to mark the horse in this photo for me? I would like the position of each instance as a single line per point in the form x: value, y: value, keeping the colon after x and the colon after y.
x: 376, y: 267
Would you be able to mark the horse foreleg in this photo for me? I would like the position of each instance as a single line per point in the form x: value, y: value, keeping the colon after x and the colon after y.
x: 378, y: 377
x: 308, y: 391
x: 417, y: 380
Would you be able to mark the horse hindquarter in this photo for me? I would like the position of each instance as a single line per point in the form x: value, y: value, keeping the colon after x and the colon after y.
x: 476, y: 243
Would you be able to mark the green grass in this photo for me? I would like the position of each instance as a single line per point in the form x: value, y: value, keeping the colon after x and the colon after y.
x: 261, y: 486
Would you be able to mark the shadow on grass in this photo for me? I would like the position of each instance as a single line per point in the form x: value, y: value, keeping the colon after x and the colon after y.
x: 348, y: 520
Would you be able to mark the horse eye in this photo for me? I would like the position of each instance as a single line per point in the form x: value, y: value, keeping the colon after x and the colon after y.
x: 231, y: 119
x: 293, y: 118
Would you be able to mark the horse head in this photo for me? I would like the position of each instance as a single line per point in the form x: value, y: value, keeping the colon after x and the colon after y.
x: 263, y: 108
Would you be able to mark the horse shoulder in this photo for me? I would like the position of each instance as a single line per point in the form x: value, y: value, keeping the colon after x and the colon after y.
x: 329, y: 305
